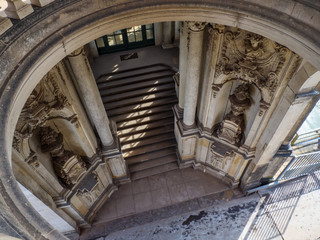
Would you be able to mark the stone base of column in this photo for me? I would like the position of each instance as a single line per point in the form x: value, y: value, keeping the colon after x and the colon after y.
x: 169, y: 45
x: 119, y: 168
x: 112, y: 155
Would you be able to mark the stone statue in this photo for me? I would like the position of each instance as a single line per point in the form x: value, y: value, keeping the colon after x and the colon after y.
x: 231, y: 128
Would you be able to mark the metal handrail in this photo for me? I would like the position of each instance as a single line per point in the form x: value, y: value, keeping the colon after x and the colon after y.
x: 309, y: 136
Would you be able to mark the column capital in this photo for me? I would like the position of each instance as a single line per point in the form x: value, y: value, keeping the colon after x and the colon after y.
x: 76, y: 52
x: 196, y: 26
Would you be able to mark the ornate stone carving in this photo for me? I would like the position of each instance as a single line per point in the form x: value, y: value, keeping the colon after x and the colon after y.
x: 196, y: 26
x: 68, y: 166
x: 232, y: 126
x: 44, y: 99
x: 250, y: 58
x: 219, y: 160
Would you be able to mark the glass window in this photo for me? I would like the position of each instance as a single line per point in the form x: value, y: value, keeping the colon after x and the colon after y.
x: 137, y: 28
x: 100, y: 43
x: 139, y: 36
x: 131, y: 37
x: 149, y: 26
x: 119, y: 39
x: 111, y: 40
x: 149, y: 34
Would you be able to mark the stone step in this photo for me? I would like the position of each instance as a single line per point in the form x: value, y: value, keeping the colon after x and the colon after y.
x: 126, y: 117
x: 149, y: 148
x: 155, y: 125
x: 140, y: 92
x: 145, y: 141
x: 128, y: 73
x: 156, y: 75
x: 146, y: 133
x: 136, y: 101
x: 153, y: 163
x: 155, y: 170
x: 145, y: 120
x: 151, y: 83
x: 151, y: 155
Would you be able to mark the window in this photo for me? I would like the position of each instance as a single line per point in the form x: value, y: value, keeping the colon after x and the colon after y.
x: 129, y: 38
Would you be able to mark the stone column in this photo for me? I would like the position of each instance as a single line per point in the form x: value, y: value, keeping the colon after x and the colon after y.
x: 158, y: 33
x: 90, y: 95
x: 167, y: 33
x: 183, y: 61
x: 193, y: 72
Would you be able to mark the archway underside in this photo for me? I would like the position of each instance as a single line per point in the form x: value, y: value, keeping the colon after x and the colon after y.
x: 49, y: 34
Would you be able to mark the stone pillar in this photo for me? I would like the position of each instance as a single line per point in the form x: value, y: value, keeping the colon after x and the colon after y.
x: 93, y: 49
x: 167, y: 33
x: 158, y: 33
x: 90, y: 94
x: 193, y: 72
x: 176, y: 31
x: 183, y: 61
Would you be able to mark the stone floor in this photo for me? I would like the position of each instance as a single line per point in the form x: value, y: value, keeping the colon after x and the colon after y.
x: 287, y: 211
x: 146, y: 56
x: 158, y: 191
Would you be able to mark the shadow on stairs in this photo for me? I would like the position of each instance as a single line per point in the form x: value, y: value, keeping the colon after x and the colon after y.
x: 140, y: 101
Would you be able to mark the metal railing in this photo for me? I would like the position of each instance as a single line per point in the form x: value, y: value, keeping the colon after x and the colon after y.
x: 303, y: 164
x: 305, y: 137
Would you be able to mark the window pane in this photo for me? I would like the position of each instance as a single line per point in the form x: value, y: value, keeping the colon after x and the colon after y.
x: 100, y: 43
x: 138, y: 36
x: 119, y: 39
x: 149, y: 34
x: 117, y: 32
x: 111, y: 40
x: 131, y: 37
x: 130, y: 29
x: 137, y: 28
x: 148, y: 26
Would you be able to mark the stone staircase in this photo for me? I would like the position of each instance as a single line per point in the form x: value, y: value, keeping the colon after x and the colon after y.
x: 140, y: 101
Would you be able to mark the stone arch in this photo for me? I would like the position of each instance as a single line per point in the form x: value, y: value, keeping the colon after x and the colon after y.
x: 50, y: 33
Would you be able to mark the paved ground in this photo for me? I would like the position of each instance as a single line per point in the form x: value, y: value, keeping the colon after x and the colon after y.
x: 158, y: 191
x: 290, y: 211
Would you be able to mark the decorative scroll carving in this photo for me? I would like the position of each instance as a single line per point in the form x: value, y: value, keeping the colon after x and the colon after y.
x: 232, y: 126
x: 68, y: 166
x: 250, y: 58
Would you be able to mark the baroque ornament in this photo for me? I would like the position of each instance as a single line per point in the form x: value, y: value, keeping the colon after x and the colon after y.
x: 44, y: 99
x: 219, y: 160
x: 68, y: 166
x: 251, y: 58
